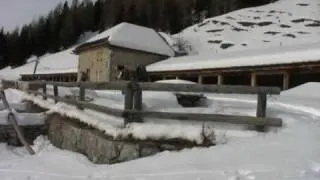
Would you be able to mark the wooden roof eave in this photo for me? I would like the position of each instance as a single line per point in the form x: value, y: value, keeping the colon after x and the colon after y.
x: 90, y: 45
x: 263, y: 68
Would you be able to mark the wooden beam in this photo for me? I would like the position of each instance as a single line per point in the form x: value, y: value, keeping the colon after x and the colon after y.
x: 200, y: 79
x: 147, y: 86
x: 253, y: 79
x: 220, y: 80
x: 286, y: 80
x: 246, y: 120
x: 128, y: 102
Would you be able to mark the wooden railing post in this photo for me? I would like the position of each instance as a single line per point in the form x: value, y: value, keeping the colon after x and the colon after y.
x: 138, y: 103
x: 261, y: 109
x: 55, y: 93
x: 128, y: 102
x: 82, y: 92
x: 44, y: 90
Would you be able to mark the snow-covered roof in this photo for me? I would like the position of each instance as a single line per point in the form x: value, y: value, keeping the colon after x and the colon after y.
x: 61, y: 62
x: 135, y: 37
x: 267, y: 56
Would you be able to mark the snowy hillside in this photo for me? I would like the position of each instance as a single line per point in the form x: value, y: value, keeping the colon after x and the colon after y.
x: 285, y: 22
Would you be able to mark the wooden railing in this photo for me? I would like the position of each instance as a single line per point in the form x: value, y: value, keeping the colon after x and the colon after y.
x: 133, y: 111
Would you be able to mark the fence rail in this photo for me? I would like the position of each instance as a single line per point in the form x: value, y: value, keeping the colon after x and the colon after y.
x: 133, y: 111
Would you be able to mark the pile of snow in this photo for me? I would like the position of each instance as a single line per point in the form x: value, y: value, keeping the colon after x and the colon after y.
x: 310, y: 89
x: 290, y: 153
x: 62, y: 62
x: 282, y: 23
x: 135, y: 37
x: 271, y: 56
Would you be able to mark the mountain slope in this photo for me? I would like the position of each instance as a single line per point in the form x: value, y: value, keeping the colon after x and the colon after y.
x: 285, y: 22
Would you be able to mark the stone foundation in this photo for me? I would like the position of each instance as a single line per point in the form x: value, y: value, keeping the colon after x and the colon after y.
x: 71, y: 134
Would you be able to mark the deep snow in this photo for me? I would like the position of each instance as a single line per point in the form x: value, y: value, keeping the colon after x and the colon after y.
x: 292, y: 152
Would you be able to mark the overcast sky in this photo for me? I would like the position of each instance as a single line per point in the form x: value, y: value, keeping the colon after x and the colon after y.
x: 14, y: 13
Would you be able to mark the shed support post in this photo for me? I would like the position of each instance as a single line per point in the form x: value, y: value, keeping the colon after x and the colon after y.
x: 200, y: 79
x: 220, y: 80
x: 286, y: 79
x: 253, y: 79
x: 177, y: 77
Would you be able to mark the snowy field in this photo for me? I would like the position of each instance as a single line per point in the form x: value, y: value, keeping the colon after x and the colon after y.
x: 292, y: 152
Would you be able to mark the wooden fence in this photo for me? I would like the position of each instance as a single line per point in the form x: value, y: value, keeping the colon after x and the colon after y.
x: 133, y: 111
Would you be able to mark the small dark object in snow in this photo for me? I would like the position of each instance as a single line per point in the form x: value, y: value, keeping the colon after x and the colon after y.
x: 265, y: 23
x: 290, y: 35
x: 203, y: 24
x: 244, y: 44
x: 215, y: 41
x: 285, y: 26
x: 226, y: 45
x: 315, y: 24
x: 246, y: 24
x: 256, y: 17
x: 229, y: 17
x: 302, y: 4
x: 215, y: 30
x: 224, y: 23
x: 214, y: 21
x: 266, y: 41
x: 238, y: 29
x: 302, y: 32
x: 272, y: 32
x: 191, y: 100
x: 300, y: 20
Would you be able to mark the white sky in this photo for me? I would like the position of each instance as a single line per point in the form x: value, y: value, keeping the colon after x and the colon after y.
x: 14, y: 13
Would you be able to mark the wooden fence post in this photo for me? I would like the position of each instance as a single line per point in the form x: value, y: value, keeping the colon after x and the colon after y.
x: 55, y: 93
x: 44, y: 90
x: 128, y: 102
x: 138, y: 103
x: 261, y: 109
x: 82, y: 92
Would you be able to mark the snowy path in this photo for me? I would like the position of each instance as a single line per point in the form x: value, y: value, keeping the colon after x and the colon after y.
x: 290, y: 153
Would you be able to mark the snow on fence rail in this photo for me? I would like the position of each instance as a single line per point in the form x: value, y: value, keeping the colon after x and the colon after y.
x: 133, y: 111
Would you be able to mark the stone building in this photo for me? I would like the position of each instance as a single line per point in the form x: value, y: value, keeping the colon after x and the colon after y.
x: 126, y: 46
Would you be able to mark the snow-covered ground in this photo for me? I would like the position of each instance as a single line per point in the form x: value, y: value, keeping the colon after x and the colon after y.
x: 282, y: 23
x: 292, y: 152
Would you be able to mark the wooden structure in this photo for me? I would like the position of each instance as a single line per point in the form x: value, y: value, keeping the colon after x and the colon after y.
x: 57, y: 77
x: 133, y: 111
x: 280, y: 75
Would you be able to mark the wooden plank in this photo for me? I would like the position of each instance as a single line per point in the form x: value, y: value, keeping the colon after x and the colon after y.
x: 261, y: 105
x: 55, y: 92
x: 169, y: 87
x: 95, y: 107
x: 247, y: 120
x: 208, y: 88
